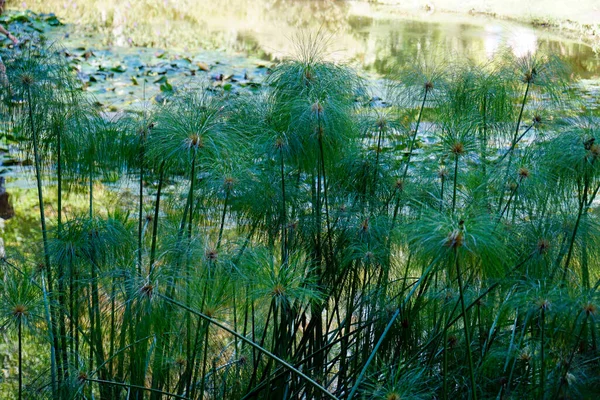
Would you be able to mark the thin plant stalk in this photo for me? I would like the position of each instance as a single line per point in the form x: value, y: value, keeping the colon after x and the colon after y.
x: 38, y: 175
x: 466, y: 327
x: 254, y: 345
x: 20, y: 333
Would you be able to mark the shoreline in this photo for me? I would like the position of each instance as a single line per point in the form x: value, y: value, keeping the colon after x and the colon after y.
x: 579, y: 21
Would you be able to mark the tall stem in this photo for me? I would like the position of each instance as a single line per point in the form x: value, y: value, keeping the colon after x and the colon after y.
x: 380, y: 136
x: 223, y: 219
x: 61, y: 270
x: 455, y: 182
x: 542, y: 363
x: 466, y: 326
x: 161, y: 178
x: 38, y: 176
x: 514, y: 141
x: 284, y: 363
x: 582, y: 204
x: 284, y: 249
x: 414, y: 136
x: 141, y: 203
x: 20, y: 327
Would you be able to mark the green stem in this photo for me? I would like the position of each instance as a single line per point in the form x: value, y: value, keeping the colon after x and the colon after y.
x: 510, y: 151
x: 414, y: 136
x: 455, y: 182
x: 582, y: 204
x: 38, y: 176
x: 284, y: 249
x: 130, y: 386
x: 223, y: 219
x: 161, y: 179
x: 386, y: 330
x: 140, y: 205
x: 542, y: 362
x: 20, y: 326
x: 254, y: 345
x: 466, y: 327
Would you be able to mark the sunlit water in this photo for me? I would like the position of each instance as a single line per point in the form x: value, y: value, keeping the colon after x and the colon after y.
x: 372, y: 37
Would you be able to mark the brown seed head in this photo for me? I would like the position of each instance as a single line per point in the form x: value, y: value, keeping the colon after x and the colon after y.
x: 20, y: 311
x: 543, y: 245
x: 525, y: 356
x: 147, y: 290
x: 537, y: 119
x: 381, y: 122
x: 392, y: 396
x: 364, y: 226
x: 590, y: 308
x: 27, y: 79
x: 529, y: 76
x: 211, y: 255
x: 428, y: 86
x: 399, y: 185
x: 228, y: 183
x: 442, y: 173
x: 457, y: 148
x: 455, y: 239
x: 82, y: 377
x: 543, y: 304
x: 279, y: 143
x: 194, y: 140
x: 523, y: 173
x: 210, y: 311
x: 278, y: 290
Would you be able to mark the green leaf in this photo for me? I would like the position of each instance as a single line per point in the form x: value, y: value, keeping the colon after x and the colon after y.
x: 166, y: 87
x: 119, y: 68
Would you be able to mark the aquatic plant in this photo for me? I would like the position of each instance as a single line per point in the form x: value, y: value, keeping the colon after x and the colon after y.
x: 310, y: 242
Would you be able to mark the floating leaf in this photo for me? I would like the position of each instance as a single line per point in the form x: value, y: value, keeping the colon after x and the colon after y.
x: 119, y: 68
x: 51, y: 19
x: 166, y: 87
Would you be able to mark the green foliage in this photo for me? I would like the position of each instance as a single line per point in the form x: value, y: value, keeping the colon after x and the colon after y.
x: 305, y: 242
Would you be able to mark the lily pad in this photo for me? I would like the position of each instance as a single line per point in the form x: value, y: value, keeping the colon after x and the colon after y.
x: 119, y: 68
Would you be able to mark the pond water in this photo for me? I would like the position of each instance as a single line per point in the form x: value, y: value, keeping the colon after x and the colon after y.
x: 231, y: 37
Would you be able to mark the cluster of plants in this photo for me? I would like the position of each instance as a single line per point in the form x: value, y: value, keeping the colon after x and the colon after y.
x: 312, y: 240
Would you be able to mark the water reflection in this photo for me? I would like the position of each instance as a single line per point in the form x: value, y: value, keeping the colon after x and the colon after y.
x: 373, y: 37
